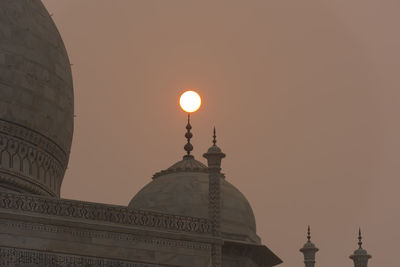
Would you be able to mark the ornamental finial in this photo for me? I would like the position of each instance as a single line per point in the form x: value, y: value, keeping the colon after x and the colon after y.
x: 188, y: 147
x: 359, y: 238
x: 190, y: 101
x: 214, y: 138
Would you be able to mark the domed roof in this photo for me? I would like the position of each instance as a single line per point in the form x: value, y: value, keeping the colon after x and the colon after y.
x: 36, y: 100
x: 182, y: 189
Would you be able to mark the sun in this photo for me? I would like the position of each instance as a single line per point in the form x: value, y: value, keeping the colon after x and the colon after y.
x: 190, y: 101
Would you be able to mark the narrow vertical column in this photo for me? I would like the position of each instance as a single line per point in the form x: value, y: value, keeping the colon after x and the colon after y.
x: 214, y: 157
x: 360, y: 255
x: 309, y: 250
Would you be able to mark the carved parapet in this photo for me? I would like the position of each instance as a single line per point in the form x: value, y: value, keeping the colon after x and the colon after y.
x: 29, y: 204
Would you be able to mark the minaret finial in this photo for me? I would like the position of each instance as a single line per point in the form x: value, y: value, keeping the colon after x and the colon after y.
x: 359, y: 238
x: 214, y: 138
x: 188, y: 147
x: 309, y: 250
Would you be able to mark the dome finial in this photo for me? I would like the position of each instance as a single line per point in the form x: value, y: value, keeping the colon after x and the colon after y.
x: 190, y: 101
x: 359, y: 238
x: 309, y: 234
x: 188, y: 147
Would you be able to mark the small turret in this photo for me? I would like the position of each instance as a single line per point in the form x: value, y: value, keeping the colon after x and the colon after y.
x: 309, y: 250
x: 360, y: 255
x: 214, y: 156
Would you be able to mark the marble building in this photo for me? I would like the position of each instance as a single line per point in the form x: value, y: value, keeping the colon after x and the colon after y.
x: 188, y: 215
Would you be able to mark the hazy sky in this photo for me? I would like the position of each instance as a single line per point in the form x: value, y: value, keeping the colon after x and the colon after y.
x: 304, y: 94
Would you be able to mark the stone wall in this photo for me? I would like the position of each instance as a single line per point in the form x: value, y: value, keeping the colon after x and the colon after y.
x: 56, y: 231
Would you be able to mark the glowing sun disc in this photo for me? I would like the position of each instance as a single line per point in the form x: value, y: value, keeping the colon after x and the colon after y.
x: 190, y: 101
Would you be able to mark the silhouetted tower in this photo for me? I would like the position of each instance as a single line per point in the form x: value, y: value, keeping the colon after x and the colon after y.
x: 309, y: 250
x: 360, y: 256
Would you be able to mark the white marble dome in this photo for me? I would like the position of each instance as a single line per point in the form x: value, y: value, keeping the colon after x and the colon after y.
x: 182, y: 189
x: 36, y: 100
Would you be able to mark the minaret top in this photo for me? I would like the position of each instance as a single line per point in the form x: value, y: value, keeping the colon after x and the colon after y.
x: 309, y: 250
x: 214, y: 155
x: 309, y: 246
x: 360, y: 255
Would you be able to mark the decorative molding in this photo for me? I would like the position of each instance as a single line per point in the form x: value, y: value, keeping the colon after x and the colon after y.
x: 23, y: 184
x: 10, y: 257
x: 102, y: 213
x: 89, y: 234
x: 33, y: 138
x: 35, y: 163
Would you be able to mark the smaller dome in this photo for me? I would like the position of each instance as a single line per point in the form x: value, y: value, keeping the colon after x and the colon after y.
x: 360, y: 251
x: 214, y: 149
x: 309, y: 245
x: 183, y: 190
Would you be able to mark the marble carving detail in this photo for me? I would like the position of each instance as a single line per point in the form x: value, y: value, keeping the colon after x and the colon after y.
x: 12, y: 257
x: 215, y: 214
x: 90, y: 234
x: 30, y: 161
x: 102, y: 213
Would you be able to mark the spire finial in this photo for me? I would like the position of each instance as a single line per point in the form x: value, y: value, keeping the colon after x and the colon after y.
x: 188, y: 147
x: 214, y: 138
x: 309, y: 234
x: 359, y: 238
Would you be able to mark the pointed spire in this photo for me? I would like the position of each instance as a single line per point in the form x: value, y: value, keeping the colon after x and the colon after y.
x: 308, y: 234
x: 359, y: 238
x: 188, y: 147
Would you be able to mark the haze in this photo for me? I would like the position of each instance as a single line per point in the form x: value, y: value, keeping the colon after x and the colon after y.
x: 304, y: 94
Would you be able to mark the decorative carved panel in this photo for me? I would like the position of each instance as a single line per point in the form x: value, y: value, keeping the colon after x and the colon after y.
x: 12, y: 257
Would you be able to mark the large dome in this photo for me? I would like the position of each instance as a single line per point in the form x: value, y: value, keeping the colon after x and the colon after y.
x: 182, y: 189
x: 36, y: 100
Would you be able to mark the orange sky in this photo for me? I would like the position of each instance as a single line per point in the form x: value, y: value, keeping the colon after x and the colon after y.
x: 304, y: 94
